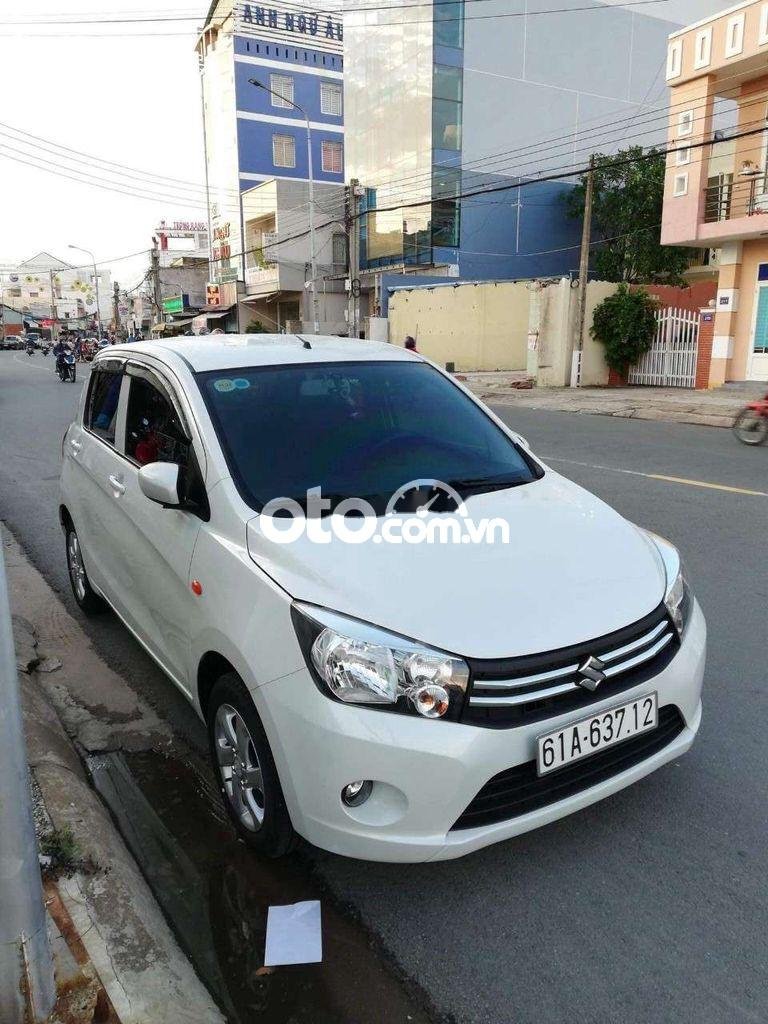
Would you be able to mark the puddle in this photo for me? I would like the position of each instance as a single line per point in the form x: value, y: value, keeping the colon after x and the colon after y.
x: 215, y: 893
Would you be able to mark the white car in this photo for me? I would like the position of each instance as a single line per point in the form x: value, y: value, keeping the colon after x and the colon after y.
x: 389, y: 701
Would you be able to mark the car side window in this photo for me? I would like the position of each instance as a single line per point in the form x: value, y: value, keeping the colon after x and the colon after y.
x: 156, y: 432
x: 153, y: 429
x: 101, y: 407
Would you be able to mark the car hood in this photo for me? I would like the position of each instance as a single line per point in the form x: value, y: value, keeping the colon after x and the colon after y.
x: 573, y: 570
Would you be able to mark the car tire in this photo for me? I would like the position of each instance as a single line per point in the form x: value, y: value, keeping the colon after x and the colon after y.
x: 245, y: 770
x: 88, y: 601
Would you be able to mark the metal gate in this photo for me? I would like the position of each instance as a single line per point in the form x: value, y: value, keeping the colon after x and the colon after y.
x: 671, y: 359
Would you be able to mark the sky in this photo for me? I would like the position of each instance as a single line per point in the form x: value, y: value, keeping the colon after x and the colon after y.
x: 107, y: 91
x: 125, y: 94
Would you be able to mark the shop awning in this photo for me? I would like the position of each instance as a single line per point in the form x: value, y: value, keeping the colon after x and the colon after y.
x: 215, y: 316
x: 218, y: 310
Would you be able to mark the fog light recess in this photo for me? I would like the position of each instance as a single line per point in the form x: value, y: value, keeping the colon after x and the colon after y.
x: 356, y: 793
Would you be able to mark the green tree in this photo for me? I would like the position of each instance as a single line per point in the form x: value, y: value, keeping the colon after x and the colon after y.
x: 626, y: 219
x: 625, y: 323
x: 256, y: 327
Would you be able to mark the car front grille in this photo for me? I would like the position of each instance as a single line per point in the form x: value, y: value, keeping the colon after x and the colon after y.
x: 520, y: 790
x: 516, y: 691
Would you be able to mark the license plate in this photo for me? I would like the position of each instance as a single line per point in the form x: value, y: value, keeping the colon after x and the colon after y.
x: 581, y: 739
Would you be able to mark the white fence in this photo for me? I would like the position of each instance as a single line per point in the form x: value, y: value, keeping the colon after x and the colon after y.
x: 671, y: 359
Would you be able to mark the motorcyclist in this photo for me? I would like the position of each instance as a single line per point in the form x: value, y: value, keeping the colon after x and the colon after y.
x: 58, y: 350
x: 30, y: 347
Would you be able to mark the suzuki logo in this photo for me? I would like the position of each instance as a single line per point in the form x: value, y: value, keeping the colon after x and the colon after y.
x: 592, y: 674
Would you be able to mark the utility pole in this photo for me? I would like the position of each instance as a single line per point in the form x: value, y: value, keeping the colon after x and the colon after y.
x: 586, y: 235
x: 353, y: 295
x: 54, y: 332
x: 27, y: 986
x: 201, y: 69
x: 116, y: 307
x: 157, y: 298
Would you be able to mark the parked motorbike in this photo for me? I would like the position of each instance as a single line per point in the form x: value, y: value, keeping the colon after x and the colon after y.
x: 67, y: 367
x: 751, y: 425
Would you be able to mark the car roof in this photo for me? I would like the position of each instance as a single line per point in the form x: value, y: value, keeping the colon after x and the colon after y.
x: 233, y: 351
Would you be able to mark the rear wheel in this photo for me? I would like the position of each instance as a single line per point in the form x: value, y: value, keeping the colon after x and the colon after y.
x: 87, y: 598
x: 750, y: 427
x: 246, y: 770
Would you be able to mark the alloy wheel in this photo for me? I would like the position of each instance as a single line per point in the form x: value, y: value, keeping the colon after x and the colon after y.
x: 76, y: 567
x: 239, y: 767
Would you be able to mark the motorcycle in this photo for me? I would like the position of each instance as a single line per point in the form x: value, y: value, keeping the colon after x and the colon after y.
x: 751, y: 425
x: 30, y: 350
x: 66, y: 368
x: 46, y: 349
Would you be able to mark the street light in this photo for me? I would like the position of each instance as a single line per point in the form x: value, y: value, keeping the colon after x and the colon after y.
x: 312, y: 254
x: 79, y: 248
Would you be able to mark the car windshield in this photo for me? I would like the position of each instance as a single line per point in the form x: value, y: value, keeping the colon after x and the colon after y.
x: 356, y: 429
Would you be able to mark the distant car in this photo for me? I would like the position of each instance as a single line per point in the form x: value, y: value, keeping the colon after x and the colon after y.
x: 32, y: 337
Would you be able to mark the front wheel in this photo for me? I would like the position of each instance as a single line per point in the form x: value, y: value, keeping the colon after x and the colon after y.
x: 246, y: 770
x: 87, y: 599
x: 750, y: 427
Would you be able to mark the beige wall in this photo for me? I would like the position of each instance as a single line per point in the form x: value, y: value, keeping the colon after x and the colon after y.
x: 475, y: 326
x: 487, y: 327
x: 753, y: 253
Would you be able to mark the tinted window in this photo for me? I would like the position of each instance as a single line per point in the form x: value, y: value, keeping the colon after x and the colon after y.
x: 153, y: 430
x: 101, y: 410
x: 355, y: 430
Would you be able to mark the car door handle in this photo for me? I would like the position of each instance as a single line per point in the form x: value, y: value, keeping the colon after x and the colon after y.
x: 117, y: 484
x: 75, y: 445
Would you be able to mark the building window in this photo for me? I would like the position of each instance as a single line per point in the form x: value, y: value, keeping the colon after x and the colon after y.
x: 330, y: 99
x: 449, y: 23
x: 675, y: 59
x: 340, y: 250
x: 331, y: 157
x: 283, y: 151
x: 282, y: 90
x: 680, y: 185
x: 683, y: 155
x: 702, y: 49
x: 685, y: 122
x: 734, y: 36
x: 762, y: 32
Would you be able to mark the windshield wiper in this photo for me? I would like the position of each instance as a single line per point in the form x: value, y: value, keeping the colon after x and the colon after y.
x: 486, y: 484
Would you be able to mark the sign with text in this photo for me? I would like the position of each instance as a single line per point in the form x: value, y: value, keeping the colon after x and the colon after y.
x: 321, y: 30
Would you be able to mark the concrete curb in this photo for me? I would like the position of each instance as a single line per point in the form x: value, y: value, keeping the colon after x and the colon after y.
x: 145, y: 973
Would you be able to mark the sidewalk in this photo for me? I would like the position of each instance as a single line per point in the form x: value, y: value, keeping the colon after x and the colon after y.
x: 715, y: 408
x: 104, y: 918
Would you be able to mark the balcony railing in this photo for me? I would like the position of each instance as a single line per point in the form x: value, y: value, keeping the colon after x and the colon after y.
x: 732, y: 199
x: 261, y: 279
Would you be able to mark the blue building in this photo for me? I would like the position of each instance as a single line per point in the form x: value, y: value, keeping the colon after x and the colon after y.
x: 449, y: 99
x: 258, y: 133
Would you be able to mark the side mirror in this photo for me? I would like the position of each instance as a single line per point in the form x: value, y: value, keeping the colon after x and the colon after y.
x: 159, y: 481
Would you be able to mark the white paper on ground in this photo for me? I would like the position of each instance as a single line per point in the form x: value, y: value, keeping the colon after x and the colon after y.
x: 294, y: 934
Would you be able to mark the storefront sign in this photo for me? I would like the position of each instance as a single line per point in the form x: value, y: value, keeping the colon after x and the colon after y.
x: 174, y: 304
x: 292, y: 21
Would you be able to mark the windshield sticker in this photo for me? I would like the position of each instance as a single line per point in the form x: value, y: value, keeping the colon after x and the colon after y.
x: 241, y: 383
x: 224, y: 384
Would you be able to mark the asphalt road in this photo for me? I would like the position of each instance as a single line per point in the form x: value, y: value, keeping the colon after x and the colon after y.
x: 649, y: 907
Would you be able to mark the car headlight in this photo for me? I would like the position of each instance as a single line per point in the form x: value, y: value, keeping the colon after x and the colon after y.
x: 357, y: 663
x: 677, y: 595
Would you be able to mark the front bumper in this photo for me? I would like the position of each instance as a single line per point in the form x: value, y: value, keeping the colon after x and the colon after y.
x: 427, y: 772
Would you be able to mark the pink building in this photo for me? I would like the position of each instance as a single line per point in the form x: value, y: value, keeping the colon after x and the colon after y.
x: 716, y: 189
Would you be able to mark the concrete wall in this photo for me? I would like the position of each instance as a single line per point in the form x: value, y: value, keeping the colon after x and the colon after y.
x: 475, y: 326
x: 506, y: 325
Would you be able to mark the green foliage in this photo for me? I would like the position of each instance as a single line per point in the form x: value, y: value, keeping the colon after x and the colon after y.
x: 626, y: 214
x: 256, y: 327
x: 625, y: 324
x: 61, y: 846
